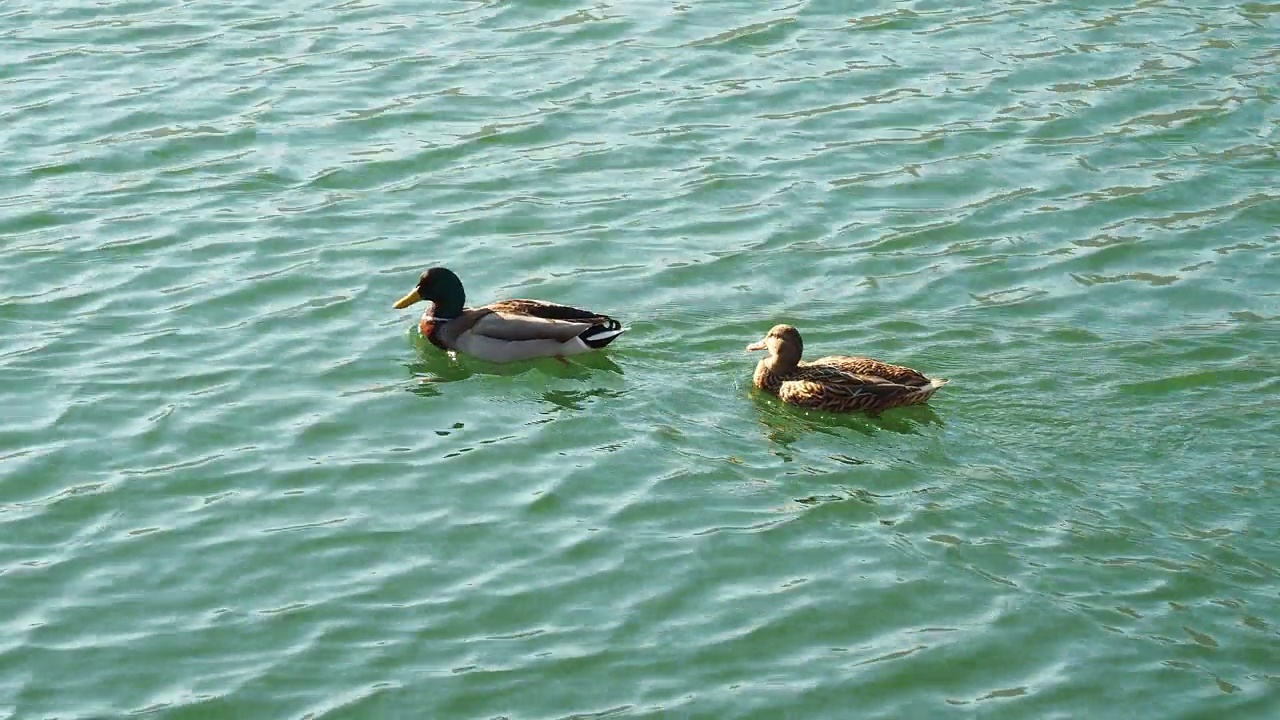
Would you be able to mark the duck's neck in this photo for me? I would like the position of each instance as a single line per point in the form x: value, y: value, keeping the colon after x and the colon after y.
x: 772, y: 371
x: 449, y: 299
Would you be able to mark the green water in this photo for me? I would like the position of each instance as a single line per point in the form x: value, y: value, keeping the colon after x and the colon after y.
x: 235, y: 484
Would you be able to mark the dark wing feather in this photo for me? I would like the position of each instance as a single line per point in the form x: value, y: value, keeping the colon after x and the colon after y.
x: 829, y: 375
x: 553, y: 311
x: 867, y: 366
x: 829, y: 388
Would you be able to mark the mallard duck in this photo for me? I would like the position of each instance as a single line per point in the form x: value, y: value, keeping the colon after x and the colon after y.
x: 507, y: 330
x: 838, y: 383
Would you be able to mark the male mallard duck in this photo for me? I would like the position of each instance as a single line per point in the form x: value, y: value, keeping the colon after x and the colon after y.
x: 838, y: 382
x: 507, y: 330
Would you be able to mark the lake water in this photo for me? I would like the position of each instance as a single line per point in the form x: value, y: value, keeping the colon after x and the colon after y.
x: 234, y: 483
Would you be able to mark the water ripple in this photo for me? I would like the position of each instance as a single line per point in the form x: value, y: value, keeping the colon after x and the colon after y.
x: 233, y: 482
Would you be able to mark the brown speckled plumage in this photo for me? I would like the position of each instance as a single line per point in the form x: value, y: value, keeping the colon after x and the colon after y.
x: 837, y: 383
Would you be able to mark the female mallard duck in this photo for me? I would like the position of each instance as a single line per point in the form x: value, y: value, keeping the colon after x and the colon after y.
x: 507, y: 330
x: 838, y: 383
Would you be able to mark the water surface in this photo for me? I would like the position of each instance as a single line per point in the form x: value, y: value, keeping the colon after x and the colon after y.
x: 234, y: 483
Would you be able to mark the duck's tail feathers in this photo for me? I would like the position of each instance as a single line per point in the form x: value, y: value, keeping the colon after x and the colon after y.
x: 597, y: 336
x: 926, y: 391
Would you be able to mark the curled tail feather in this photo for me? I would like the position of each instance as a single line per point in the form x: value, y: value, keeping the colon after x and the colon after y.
x: 597, y: 336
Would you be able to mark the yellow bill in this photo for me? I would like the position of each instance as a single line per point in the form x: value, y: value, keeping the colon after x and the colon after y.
x: 408, y: 300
